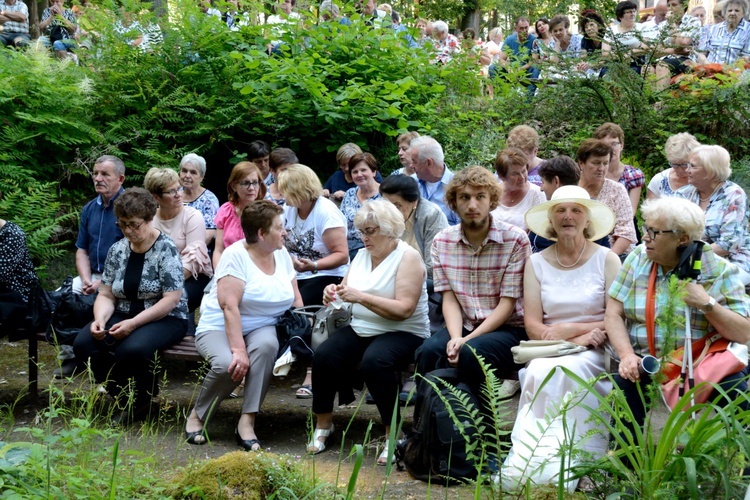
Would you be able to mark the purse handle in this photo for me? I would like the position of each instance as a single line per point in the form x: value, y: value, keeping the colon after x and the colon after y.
x: 651, y: 309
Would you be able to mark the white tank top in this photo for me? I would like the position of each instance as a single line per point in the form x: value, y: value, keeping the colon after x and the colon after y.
x: 381, y: 282
x: 572, y: 295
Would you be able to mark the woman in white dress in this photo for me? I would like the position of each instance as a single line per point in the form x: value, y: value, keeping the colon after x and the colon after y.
x: 552, y: 415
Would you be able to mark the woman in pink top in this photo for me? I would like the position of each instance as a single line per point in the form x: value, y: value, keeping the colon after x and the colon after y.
x: 245, y: 185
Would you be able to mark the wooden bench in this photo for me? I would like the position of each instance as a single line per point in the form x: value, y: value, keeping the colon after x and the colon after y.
x: 183, y: 350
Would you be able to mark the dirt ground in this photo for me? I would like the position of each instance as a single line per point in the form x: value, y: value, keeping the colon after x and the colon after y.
x: 282, y: 424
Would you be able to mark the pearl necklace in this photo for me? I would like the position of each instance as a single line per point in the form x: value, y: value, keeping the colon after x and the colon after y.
x: 574, y: 264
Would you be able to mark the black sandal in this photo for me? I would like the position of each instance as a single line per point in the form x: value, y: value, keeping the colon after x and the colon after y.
x: 247, y: 444
x: 191, y: 437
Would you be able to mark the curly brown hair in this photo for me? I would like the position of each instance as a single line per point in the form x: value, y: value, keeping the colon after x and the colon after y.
x: 476, y: 177
x: 135, y: 202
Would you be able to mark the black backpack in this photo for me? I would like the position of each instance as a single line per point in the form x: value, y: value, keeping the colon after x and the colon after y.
x: 435, y: 450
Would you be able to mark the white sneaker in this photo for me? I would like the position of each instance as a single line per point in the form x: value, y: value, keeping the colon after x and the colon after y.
x: 508, y: 389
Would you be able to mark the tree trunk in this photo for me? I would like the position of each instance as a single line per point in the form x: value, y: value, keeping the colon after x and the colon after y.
x: 472, y: 19
x: 160, y: 8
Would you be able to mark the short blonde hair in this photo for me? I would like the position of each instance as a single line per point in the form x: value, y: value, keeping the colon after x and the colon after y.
x: 346, y: 151
x: 715, y: 160
x: 157, y: 180
x: 383, y: 214
x: 679, y: 146
x: 406, y: 138
x: 524, y: 138
x: 609, y: 129
x: 678, y: 214
x: 299, y: 184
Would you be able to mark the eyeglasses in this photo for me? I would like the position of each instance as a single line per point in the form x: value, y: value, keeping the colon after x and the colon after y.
x: 679, y: 166
x: 645, y: 230
x: 129, y: 225
x: 249, y: 184
x: 369, y: 231
x: 173, y: 192
x: 693, y: 166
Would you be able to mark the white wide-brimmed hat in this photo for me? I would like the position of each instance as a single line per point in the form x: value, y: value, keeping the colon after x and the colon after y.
x: 602, y: 217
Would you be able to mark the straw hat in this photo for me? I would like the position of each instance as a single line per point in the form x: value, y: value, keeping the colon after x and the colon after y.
x: 602, y: 218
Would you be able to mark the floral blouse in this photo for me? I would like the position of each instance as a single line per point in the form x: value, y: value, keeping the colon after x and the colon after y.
x: 16, y: 269
x: 349, y: 206
x: 162, y: 272
x: 208, y: 205
x: 726, y: 220
x: 614, y: 195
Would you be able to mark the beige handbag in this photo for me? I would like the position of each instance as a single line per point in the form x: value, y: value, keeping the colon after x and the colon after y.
x: 532, y: 349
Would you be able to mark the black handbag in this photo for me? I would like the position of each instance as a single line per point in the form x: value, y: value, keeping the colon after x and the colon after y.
x: 294, y: 331
x: 58, y: 32
x: 73, y: 312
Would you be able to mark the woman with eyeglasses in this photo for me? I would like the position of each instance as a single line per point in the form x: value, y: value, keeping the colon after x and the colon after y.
x: 667, y: 182
x: 140, y: 308
x: 244, y: 186
x: 724, y: 203
x: 386, y: 287
x: 186, y: 227
x: 718, y: 303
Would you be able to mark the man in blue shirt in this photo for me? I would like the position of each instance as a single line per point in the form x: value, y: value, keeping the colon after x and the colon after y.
x: 518, y: 47
x: 97, y: 232
x: 433, y: 176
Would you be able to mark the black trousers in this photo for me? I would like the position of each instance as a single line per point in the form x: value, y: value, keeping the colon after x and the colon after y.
x: 380, y: 358
x: 116, y: 362
x: 194, y: 288
x: 311, y: 289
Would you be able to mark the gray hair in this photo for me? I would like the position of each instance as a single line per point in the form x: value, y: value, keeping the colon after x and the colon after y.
x: 329, y: 6
x: 440, y: 27
x: 383, y: 214
x: 715, y: 160
x: 679, y: 146
x: 428, y: 148
x: 197, y: 161
x: 114, y: 160
x: 741, y: 3
x: 678, y: 214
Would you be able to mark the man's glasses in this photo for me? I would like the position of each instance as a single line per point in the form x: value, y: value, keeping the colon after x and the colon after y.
x: 645, y: 230
x: 249, y: 184
x: 173, y: 192
x: 129, y: 225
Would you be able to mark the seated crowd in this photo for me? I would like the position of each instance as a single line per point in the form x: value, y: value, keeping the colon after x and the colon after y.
x: 671, y: 42
x: 504, y: 250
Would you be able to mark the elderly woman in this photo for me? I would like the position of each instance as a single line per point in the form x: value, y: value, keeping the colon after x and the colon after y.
x: 718, y: 304
x: 593, y: 158
x: 592, y: 27
x: 386, y: 287
x: 185, y: 226
x: 192, y: 172
x: 423, y: 219
x: 17, y: 277
x: 403, y: 142
x: 526, y: 139
x: 316, y: 239
x: 279, y: 160
x: 622, y: 41
x: 724, y: 203
x: 256, y: 283
x: 551, y: 312
x: 244, y: 186
x: 518, y: 194
x: 667, y: 182
x: 446, y: 45
x: 140, y: 308
x: 362, y: 168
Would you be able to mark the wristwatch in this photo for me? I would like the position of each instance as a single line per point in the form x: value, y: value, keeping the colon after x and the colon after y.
x: 708, y: 307
x: 315, y: 268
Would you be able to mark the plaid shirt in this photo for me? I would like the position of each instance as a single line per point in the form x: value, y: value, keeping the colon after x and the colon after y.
x: 724, y: 47
x: 479, y: 277
x: 13, y: 26
x: 632, y: 177
x: 718, y: 277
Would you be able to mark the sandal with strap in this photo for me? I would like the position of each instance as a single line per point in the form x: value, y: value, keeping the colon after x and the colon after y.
x: 316, y: 445
x: 304, y: 392
x: 383, y: 458
x: 196, y: 437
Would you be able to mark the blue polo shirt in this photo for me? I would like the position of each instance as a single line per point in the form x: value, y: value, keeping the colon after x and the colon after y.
x: 97, y: 231
x: 518, y: 51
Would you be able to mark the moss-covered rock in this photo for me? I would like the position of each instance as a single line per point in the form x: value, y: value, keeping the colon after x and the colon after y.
x: 242, y: 475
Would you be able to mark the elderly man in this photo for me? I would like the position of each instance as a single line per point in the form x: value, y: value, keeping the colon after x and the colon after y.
x: 97, y: 232
x: 14, y: 20
x: 681, y: 38
x: 651, y: 29
x: 478, y: 267
x: 729, y: 40
x: 428, y: 162
x: 518, y: 47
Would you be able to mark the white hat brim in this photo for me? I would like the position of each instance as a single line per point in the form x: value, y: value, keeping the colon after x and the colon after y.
x: 601, y: 223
